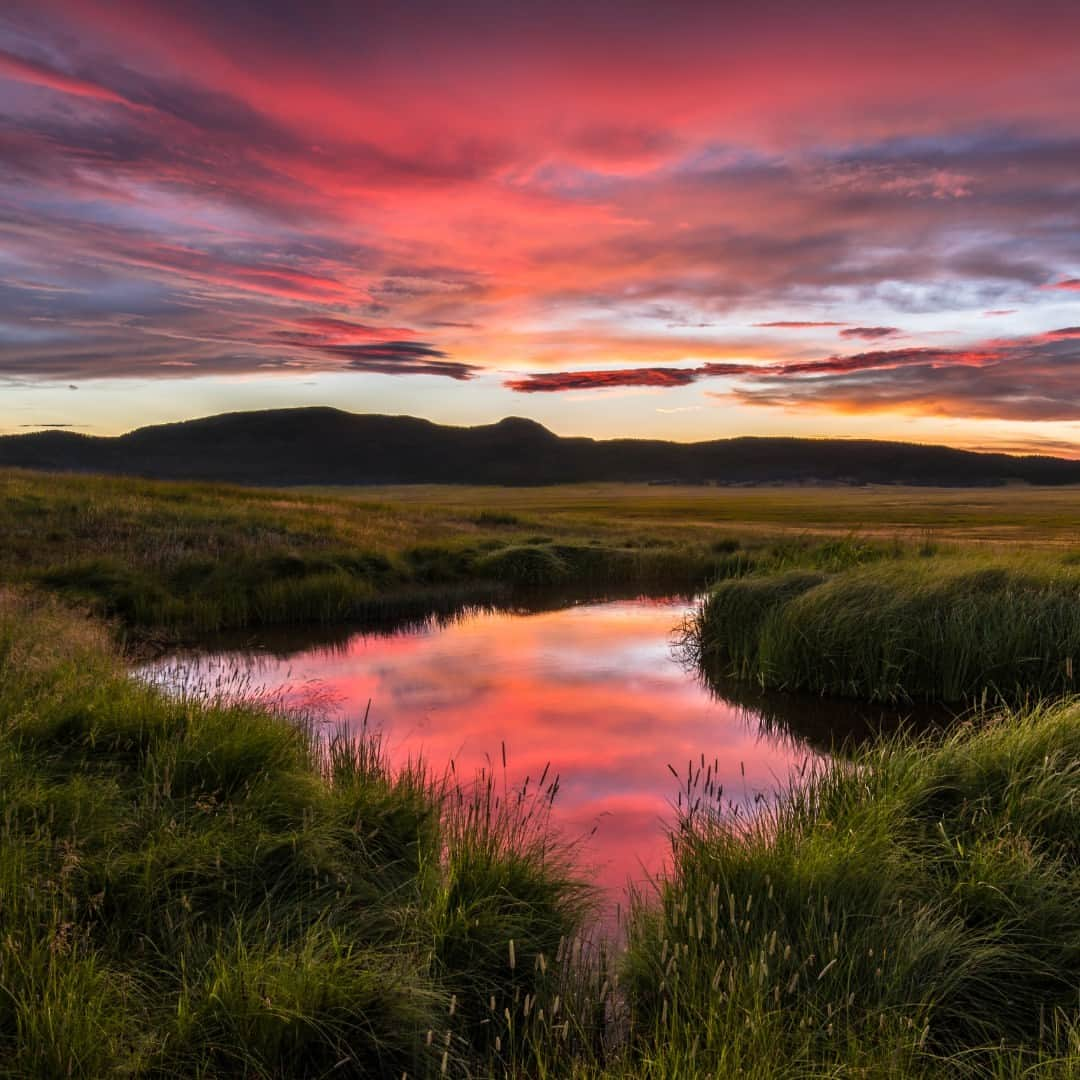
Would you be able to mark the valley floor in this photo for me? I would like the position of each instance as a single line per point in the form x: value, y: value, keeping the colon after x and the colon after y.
x: 190, y: 887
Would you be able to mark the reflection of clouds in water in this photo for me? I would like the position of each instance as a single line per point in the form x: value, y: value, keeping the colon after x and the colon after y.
x: 595, y: 690
x: 428, y: 687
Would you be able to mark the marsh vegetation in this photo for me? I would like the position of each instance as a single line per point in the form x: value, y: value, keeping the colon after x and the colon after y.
x: 959, y: 628
x: 182, y: 559
x: 191, y: 886
x: 913, y: 911
x: 202, y: 888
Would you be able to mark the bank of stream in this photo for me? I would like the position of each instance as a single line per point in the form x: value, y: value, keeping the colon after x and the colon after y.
x: 596, y: 691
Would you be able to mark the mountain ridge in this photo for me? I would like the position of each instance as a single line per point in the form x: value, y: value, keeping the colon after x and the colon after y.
x: 325, y: 445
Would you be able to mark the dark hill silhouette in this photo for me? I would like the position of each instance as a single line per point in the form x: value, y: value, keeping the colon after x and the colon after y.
x: 328, y: 446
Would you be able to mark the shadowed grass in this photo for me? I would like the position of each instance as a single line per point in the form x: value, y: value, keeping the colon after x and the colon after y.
x: 182, y: 559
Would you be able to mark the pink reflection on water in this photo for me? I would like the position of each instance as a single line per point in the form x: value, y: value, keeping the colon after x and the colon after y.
x: 596, y: 690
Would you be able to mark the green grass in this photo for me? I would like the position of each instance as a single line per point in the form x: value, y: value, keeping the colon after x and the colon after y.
x: 191, y: 888
x: 174, y: 559
x: 913, y: 912
x: 1008, y: 514
x: 183, y: 559
x: 958, y: 628
x: 195, y: 889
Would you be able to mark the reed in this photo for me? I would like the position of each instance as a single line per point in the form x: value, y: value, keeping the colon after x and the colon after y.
x: 199, y: 886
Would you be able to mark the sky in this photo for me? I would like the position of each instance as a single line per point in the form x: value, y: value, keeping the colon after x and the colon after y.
x: 671, y: 220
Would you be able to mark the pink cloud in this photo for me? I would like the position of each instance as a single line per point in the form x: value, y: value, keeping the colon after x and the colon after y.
x: 29, y: 71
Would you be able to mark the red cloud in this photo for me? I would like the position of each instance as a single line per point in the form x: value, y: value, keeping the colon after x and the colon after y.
x: 878, y: 360
x: 333, y: 331
x: 255, y: 203
x: 598, y: 380
x: 1024, y: 379
x: 883, y: 361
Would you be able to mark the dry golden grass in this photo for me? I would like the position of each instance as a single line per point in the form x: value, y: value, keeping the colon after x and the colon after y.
x: 1043, y: 516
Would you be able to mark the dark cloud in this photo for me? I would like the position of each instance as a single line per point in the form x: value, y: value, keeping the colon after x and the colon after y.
x: 328, y: 325
x: 557, y: 381
x: 1026, y: 379
x: 877, y: 359
x: 32, y: 71
x: 1034, y: 446
x: 1031, y: 379
x: 878, y: 244
x: 401, y: 358
x: 182, y: 135
x: 870, y: 333
x: 789, y: 324
x: 104, y: 350
x: 553, y: 382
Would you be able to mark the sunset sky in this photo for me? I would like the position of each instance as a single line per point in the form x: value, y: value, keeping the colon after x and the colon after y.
x: 665, y: 219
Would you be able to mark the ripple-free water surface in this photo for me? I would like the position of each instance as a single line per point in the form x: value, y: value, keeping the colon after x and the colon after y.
x: 597, y: 690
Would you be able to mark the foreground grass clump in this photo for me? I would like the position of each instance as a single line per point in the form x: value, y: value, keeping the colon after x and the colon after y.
x: 191, y: 888
x: 914, y: 913
x: 951, y: 628
x: 195, y: 889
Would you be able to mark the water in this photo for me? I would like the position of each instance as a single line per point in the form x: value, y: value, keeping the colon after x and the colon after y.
x: 597, y: 690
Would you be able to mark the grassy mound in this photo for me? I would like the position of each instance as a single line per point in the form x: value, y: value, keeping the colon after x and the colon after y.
x: 189, y: 888
x: 917, y: 912
x: 529, y: 564
x: 948, y: 629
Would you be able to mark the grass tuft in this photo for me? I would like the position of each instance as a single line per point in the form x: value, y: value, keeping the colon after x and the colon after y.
x: 913, y: 912
x: 197, y: 888
x: 958, y: 628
